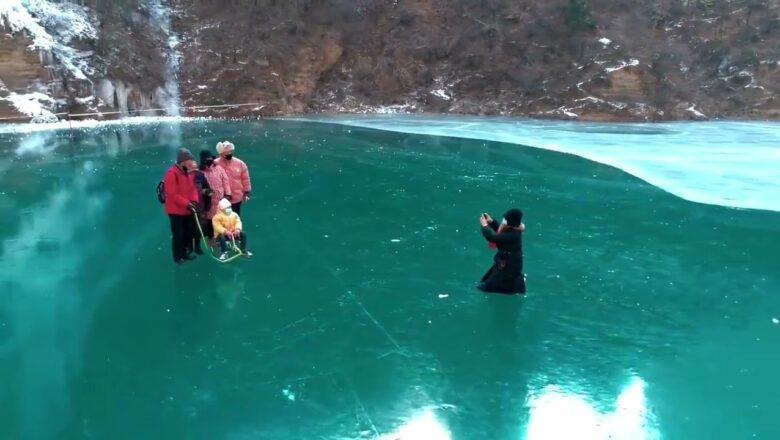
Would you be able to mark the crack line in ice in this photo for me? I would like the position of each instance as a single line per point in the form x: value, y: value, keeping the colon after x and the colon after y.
x: 354, y: 298
x: 360, y: 405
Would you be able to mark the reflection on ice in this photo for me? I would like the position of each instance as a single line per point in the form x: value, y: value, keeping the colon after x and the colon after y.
x: 424, y: 426
x: 36, y: 144
x: 47, y: 316
x: 558, y: 414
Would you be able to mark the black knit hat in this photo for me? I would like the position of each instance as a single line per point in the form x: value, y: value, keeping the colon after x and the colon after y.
x: 183, y: 155
x: 205, y: 154
x: 513, y: 217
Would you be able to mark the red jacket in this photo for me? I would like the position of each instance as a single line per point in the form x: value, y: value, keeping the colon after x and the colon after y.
x: 180, y: 190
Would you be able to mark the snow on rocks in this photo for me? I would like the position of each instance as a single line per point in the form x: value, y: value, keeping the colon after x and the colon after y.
x: 87, y: 100
x: 441, y: 94
x: 605, y: 41
x: 441, y: 89
x: 695, y: 113
x: 52, y: 27
x: 623, y: 65
x: 563, y: 111
x: 90, y: 102
x: 389, y: 109
x: 31, y: 104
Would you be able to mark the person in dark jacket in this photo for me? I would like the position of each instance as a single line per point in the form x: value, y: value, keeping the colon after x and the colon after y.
x: 219, y: 188
x: 205, y: 193
x: 202, y: 183
x: 181, y: 198
x: 506, y: 274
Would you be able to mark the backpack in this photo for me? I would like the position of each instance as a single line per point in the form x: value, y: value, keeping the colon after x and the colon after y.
x: 161, y: 192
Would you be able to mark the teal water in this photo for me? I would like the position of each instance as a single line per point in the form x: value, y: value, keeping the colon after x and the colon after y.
x: 649, y: 316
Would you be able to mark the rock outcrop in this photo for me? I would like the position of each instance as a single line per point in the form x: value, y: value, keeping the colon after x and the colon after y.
x: 641, y: 61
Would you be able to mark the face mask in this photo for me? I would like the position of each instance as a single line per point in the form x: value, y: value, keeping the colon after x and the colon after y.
x: 229, y: 156
x: 208, y: 162
x: 228, y: 211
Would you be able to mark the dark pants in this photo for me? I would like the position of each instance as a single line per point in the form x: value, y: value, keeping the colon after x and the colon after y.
x: 183, y: 230
x: 498, y: 281
x: 237, y: 208
x: 208, y: 228
x: 224, y: 240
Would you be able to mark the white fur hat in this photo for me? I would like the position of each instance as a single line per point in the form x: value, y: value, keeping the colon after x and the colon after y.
x: 225, y: 147
x: 224, y: 203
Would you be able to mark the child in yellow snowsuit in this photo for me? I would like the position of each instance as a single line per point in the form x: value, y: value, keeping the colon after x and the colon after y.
x: 227, y: 227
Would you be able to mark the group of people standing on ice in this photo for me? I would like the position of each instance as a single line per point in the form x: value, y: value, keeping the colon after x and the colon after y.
x: 205, y: 198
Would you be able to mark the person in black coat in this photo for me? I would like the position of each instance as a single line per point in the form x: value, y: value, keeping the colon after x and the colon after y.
x: 506, y: 275
x: 202, y: 206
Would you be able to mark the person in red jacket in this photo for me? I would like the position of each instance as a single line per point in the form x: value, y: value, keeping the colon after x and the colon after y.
x: 181, y: 198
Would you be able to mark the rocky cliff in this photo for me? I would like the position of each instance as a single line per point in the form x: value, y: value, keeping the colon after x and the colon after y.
x: 575, y: 59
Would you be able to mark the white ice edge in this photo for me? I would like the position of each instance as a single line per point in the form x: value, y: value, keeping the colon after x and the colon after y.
x: 731, y: 164
x: 93, y: 123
